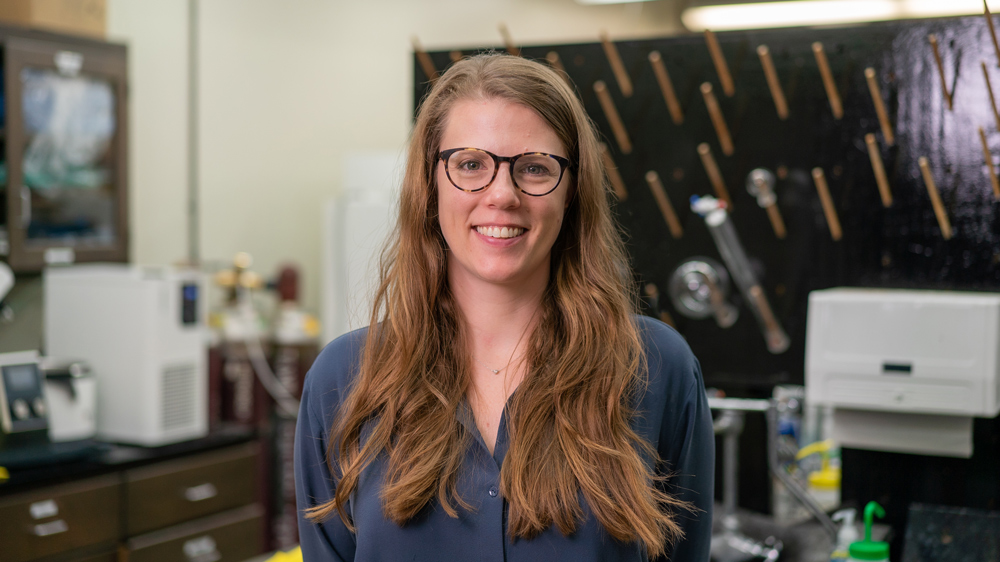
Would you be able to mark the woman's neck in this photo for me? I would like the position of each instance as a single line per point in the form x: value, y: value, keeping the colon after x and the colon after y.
x: 499, y: 318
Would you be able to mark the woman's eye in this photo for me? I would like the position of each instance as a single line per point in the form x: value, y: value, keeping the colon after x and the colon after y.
x: 535, y: 170
x: 470, y: 166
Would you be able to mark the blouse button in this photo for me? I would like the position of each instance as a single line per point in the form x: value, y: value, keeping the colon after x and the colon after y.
x: 493, y: 492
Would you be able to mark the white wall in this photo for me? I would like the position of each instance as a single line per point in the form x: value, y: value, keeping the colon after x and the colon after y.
x: 156, y: 34
x: 287, y: 90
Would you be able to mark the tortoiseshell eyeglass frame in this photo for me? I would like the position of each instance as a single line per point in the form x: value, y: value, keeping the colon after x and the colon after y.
x: 497, y: 160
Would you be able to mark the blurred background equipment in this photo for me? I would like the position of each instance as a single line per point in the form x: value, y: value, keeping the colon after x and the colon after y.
x: 256, y: 372
x: 71, y: 391
x: 24, y: 413
x: 904, y: 370
x: 143, y: 331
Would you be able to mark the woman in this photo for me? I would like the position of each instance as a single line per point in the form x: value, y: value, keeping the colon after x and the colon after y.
x: 505, y: 403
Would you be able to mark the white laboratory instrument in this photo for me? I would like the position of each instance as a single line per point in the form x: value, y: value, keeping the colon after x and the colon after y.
x: 23, y: 409
x: 904, y: 370
x: 142, y: 331
x: 71, y: 391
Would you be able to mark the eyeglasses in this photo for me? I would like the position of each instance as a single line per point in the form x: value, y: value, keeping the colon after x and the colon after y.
x: 474, y: 169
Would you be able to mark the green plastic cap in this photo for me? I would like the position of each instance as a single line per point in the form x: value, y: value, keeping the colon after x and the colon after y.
x: 869, y: 549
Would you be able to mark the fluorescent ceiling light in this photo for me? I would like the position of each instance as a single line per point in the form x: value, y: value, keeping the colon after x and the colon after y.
x: 794, y: 13
x: 594, y: 2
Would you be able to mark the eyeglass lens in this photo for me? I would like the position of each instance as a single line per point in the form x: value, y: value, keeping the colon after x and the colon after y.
x: 472, y: 170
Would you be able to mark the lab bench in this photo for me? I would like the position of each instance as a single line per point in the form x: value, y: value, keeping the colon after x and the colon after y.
x: 196, y: 501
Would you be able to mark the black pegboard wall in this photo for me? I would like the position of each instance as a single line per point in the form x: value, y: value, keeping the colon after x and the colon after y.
x: 901, y: 246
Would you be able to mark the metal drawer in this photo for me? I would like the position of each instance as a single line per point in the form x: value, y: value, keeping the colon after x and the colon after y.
x: 232, y: 536
x: 60, y: 518
x: 176, y: 491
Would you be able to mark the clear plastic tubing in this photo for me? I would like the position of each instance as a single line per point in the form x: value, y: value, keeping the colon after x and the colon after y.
x: 728, y: 242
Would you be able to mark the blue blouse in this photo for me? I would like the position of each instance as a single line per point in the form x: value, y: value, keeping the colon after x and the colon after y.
x: 673, y: 417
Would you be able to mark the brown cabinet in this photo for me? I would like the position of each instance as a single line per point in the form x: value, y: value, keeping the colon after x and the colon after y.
x: 225, y: 537
x: 63, y: 150
x: 200, y: 507
x: 61, y: 518
x: 168, y: 493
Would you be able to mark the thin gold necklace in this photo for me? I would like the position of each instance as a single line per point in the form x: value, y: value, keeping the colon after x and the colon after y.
x: 511, y: 358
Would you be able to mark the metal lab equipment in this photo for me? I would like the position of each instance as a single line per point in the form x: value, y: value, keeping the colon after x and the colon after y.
x: 142, y: 331
x: 71, y: 391
x: 699, y: 288
x: 23, y: 409
x: 728, y: 242
x: 904, y: 370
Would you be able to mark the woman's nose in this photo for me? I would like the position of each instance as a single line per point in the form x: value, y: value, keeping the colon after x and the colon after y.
x: 503, y: 192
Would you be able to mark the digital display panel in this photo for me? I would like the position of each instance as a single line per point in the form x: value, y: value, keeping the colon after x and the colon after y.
x: 21, y: 378
x: 189, y: 304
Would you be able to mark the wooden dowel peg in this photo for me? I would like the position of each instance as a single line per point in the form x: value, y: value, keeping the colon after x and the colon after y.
x: 714, y: 175
x: 993, y: 100
x: 940, y: 66
x: 556, y: 63
x: 718, y: 120
x: 829, y: 211
x: 660, y: 194
x: 508, y: 42
x: 773, y: 83
x: 760, y: 184
x: 939, y: 212
x: 617, y: 66
x: 883, y: 115
x: 666, y: 87
x: 880, y: 178
x: 993, y: 31
x: 613, y: 176
x: 455, y: 56
x: 989, y: 164
x: 719, y: 60
x: 426, y: 64
x: 777, y: 223
x: 828, y: 83
x: 615, y: 120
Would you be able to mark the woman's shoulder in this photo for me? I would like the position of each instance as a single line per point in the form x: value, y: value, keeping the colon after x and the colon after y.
x: 669, y: 358
x: 334, y: 370
x: 662, y: 342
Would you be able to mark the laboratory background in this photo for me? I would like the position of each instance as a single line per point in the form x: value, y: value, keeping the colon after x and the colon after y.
x: 194, y: 194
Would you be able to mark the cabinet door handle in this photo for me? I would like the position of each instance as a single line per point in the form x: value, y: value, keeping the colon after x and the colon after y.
x: 43, y: 509
x: 51, y: 528
x: 25, y: 207
x: 202, y: 549
x: 201, y: 492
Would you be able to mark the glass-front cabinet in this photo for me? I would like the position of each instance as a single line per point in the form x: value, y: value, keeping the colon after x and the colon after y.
x: 64, y: 168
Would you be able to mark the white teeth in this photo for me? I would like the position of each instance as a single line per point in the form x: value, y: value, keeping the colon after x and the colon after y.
x: 500, y: 232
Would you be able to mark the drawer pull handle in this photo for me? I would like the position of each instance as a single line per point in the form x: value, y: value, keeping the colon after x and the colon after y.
x: 43, y: 509
x: 51, y: 528
x: 201, y: 492
x: 202, y: 549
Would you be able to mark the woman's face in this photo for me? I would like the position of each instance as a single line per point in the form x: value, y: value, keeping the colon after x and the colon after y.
x: 473, y: 223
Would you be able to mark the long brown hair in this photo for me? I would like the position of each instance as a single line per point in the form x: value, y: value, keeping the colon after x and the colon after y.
x: 569, y: 419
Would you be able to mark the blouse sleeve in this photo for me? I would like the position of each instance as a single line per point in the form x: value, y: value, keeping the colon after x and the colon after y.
x: 314, y: 484
x: 693, y: 478
x: 686, y: 442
